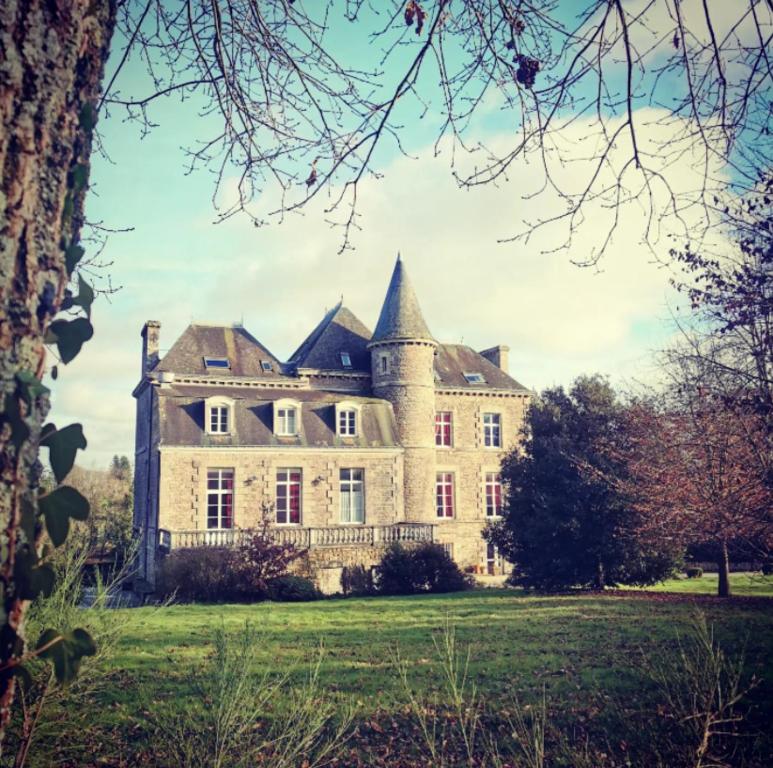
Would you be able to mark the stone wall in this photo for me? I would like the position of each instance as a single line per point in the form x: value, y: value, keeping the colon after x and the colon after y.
x: 183, y: 492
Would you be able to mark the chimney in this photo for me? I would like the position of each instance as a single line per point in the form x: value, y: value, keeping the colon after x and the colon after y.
x: 151, y: 333
x: 499, y: 355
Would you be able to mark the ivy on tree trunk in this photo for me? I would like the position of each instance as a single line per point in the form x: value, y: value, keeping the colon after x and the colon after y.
x: 52, y: 56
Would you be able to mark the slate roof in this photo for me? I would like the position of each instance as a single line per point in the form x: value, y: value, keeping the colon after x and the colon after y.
x: 244, y: 353
x: 339, y: 331
x: 181, y: 410
x: 452, y: 361
x: 400, y: 316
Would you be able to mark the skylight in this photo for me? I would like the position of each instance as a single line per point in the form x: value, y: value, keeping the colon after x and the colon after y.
x: 266, y: 365
x: 216, y: 362
x: 346, y: 360
x: 474, y: 378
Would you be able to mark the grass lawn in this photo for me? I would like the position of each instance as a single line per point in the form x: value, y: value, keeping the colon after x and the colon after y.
x: 584, y: 650
x: 749, y: 584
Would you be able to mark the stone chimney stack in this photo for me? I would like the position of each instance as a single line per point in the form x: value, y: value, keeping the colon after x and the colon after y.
x: 499, y: 355
x: 151, y: 334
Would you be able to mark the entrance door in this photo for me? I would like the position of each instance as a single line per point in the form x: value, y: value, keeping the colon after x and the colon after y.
x: 493, y: 560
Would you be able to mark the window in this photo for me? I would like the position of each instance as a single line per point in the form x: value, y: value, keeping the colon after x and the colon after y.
x: 266, y: 365
x: 347, y: 422
x: 288, y: 496
x: 493, y: 559
x: 474, y: 378
x: 352, y: 496
x: 346, y: 360
x: 444, y: 494
x: 492, y: 435
x: 287, y: 417
x: 216, y: 362
x: 218, y: 415
x: 448, y: 549
x: 220, y: 498
x: 444, y: 421
x: 384, y: 364
x: 218, y: 419
x: 493, y: 495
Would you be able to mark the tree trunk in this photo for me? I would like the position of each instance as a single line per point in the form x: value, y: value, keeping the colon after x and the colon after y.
x: 52, y: 56
x: 600, y: 579
x: 723, y: 564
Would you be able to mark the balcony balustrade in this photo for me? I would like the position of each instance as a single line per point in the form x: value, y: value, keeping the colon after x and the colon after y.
x: 305, y: 537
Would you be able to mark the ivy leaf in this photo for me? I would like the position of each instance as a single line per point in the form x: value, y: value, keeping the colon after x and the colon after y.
x: 87, y: 117
x: 65, y: 651
x: 32, y: 579
x: 58, y: 507
x: 85, y: 297
x: 78, y: 177
x: 69, y: 336
x: 72, y: 256
x: 11, y: 412
x: 31, y: 386
x: 62, y: 445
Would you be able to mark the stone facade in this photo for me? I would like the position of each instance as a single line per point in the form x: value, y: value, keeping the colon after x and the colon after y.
x: 393, y: 384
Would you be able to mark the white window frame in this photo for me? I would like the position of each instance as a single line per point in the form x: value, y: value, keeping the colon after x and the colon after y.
x: 444, y: 480
x: 288, y: 483
x: 494, y: 560
x: 450, y: 422
x: 492, y: 430
x: 474, y: 377
x: 492, y: 480
x: 280, y: 421
x: 351, y: 486
x: 347, y: 407
x: 266, y: 366
x: 346, y: 360
x: 214, y: 364
x: 218, y: 494
x: 210, y: 405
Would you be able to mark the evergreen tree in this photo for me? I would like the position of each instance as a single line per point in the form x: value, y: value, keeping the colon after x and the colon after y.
x: 564, y: 524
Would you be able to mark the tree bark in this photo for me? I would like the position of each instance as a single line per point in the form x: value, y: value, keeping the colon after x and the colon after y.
x: 600, y: 580
x: 52, y: 56
x: 723, y: 564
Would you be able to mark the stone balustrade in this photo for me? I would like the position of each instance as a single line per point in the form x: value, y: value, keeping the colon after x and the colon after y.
x: 306, y: 537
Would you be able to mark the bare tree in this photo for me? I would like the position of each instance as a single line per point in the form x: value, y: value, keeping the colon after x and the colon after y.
x: 308, y: 97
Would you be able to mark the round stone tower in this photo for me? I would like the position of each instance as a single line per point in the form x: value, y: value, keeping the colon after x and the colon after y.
x: 402, y: 354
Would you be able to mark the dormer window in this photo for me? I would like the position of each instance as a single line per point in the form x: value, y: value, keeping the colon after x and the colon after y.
x: 287, y: 418
x: 218, y: 415
x: 474, y: 378
x: 346, y: 360
x: 266, y: 366
x: 216, y: 362
x: 347, y: 418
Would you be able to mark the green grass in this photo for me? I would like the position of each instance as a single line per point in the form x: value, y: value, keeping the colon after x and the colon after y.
x: 742, y: 584
x: 581, y: 649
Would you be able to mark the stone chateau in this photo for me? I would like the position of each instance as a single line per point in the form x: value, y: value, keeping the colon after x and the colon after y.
x: 359, y: 440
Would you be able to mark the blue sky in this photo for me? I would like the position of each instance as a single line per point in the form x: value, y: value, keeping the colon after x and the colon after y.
x: 176, y: 266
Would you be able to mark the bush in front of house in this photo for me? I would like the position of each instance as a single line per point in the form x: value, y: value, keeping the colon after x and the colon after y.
x: 356, y: 581
x: 292, y: 589
x: 200, y: 575
x: 693, y: 572
x: 428, y: 568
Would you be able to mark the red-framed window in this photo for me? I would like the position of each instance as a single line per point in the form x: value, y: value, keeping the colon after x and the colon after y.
x: 288, y: 496
x: 444, y: 428
x: 493, y: 494
x: 444, y: 494
x: 220, y: 498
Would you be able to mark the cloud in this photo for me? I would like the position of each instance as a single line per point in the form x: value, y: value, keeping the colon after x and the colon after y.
x: 558, y: 319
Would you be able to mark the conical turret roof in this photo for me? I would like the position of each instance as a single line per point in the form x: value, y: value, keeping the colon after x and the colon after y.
x: 400, y: 316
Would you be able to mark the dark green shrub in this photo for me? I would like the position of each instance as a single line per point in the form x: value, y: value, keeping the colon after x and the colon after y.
x: 204, y: 574
x: 693, y: 572
x: 356, y: 580
x: 394, y: 574
x: 292, y: 589
x: 435, y: 571
x: 428, y: 568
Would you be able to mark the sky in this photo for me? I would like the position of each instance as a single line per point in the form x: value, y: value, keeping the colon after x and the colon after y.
x: 176, y: 265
